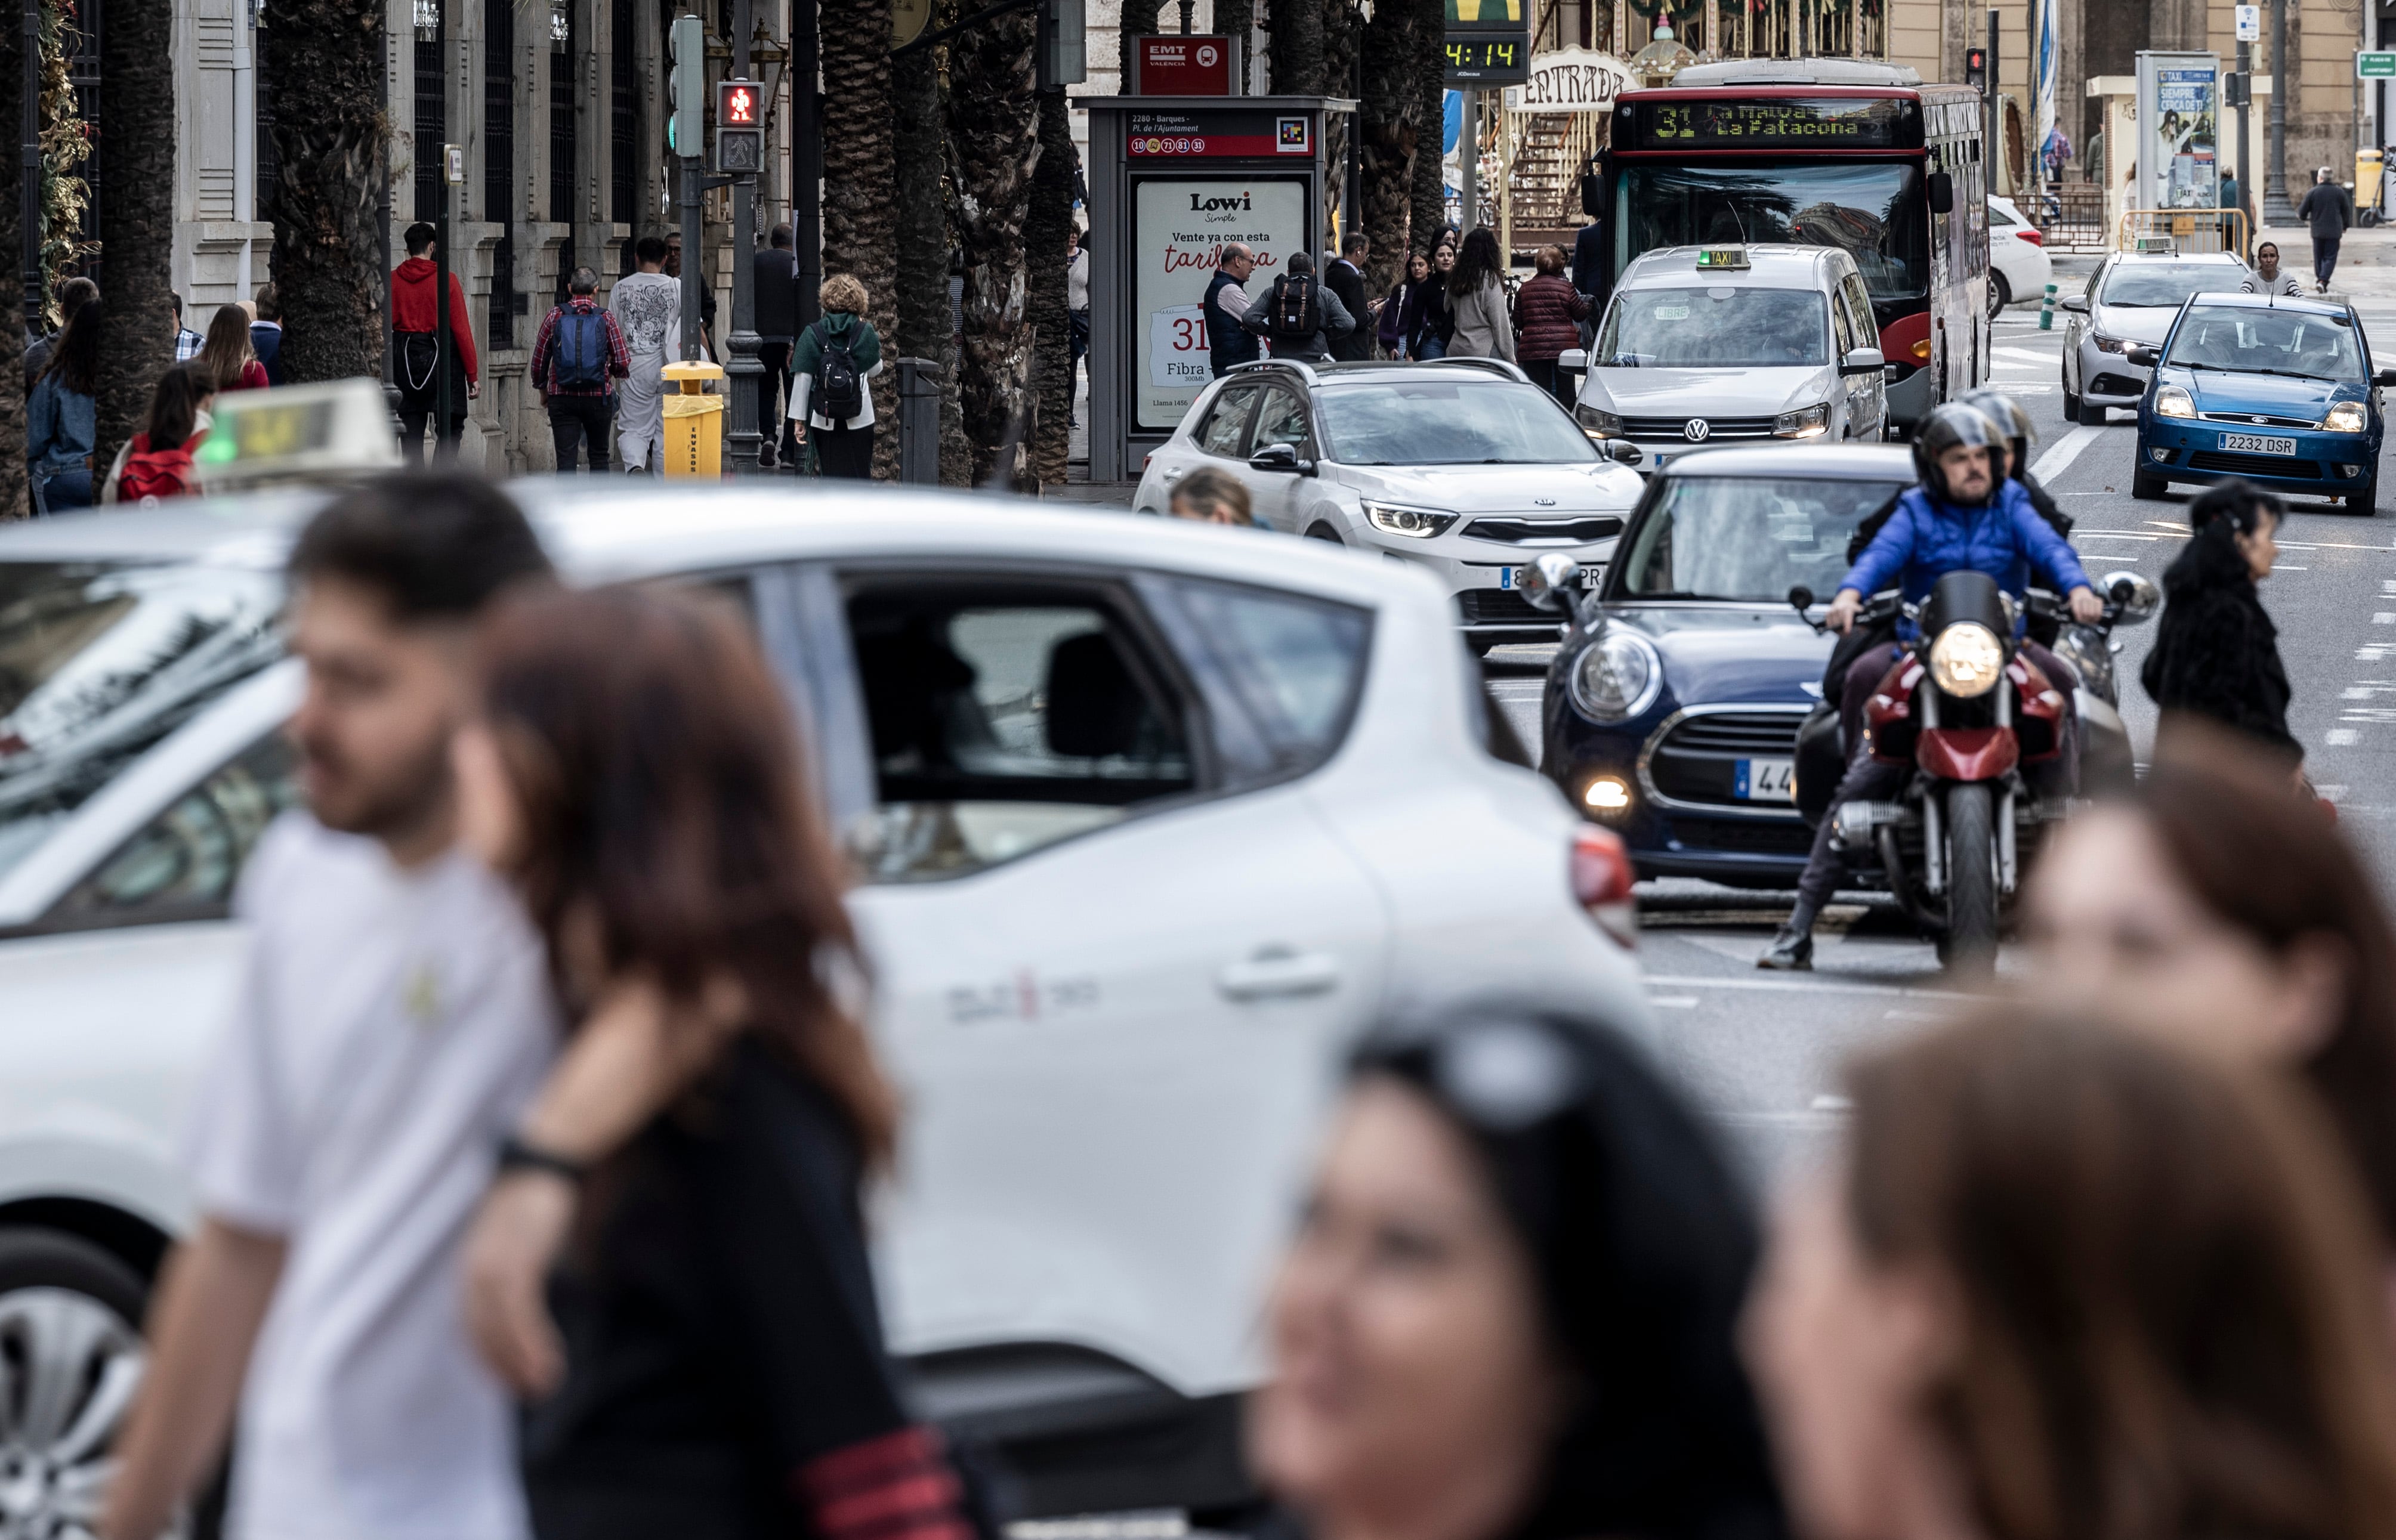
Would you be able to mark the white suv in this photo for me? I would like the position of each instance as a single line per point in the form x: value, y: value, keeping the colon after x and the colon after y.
x: 1460, y: 465
x: 1152, y: 821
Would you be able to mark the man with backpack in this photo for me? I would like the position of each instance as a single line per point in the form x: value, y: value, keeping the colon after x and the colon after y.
x: 829, y: 394
x: 1298, y: 315
x: 576, y: 362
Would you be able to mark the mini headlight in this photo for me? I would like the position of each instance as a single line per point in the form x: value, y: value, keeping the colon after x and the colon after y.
x: 1415, y: 523
x: 1607, y: 794
x: 1617, y: 677
x: 2109, y: 344
x: 2171, y: 400
x: 2346, y: 416
x: 1967, y: 659
x: 1603, y: 424
x: 1808, y: 423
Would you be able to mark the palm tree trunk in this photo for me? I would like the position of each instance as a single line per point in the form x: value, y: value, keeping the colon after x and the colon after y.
x: 1390, y: 128
x: 137, y: 215
x: 15, y: 498
x: 1044, y: 232
x: 860, y: 169
x: 1140, y: 18
x: 994, y: 119
x: 1428, y: 191
x: 323, y: 59
x: 1342, y: 24
x: 1294, y: 31
x: 922, y: 230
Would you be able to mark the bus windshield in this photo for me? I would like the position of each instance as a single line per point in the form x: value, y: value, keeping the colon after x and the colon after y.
x: 1875, y: 212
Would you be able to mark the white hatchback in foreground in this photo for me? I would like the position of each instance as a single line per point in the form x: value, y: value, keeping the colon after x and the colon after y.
x: 1152, y: 821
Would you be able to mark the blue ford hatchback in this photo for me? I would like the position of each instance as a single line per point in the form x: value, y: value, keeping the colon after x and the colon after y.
x: 1670, y: 712
x: 2277, y: 390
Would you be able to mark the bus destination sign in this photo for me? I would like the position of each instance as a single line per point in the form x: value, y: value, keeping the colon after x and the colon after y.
x: 1827, y: 123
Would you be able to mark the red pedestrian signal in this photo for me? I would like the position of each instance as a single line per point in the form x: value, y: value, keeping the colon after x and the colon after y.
x: 735, y: 104
x: 1975, y: 67
x: 739, y: 127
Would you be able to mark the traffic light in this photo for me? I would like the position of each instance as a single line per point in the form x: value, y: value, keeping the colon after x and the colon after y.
x: 686, y: 96
x: 2236, y: 90
x: 739, y: 127
x: 1975, y: 68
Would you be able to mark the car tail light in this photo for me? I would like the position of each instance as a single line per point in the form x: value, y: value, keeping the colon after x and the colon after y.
x: 1602, y: 875
x: 2033, y: 237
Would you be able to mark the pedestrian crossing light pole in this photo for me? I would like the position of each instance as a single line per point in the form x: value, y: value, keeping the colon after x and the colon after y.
x: 741, y: 155
x: 685, y: 130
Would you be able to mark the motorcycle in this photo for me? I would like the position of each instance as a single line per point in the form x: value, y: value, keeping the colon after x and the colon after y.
x: 1965, y: 709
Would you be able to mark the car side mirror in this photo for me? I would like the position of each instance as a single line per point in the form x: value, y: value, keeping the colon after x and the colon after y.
x: 2078, y: 302
x: 1863, y: 361
x: 1281, y: 458
x: 2133, y: 597
x: 2385, y: 377
x: 2142, y: 355
x: 1575, y: 359
x: 1942, y: 193
x: 1624, y: 452
x: 1549, y: 582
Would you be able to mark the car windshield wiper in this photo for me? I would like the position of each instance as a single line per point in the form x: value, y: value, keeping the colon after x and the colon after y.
x: 2291, y: 374
x: 1685, y: 593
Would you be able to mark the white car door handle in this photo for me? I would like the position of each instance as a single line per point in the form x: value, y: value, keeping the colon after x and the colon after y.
x: 1278, y: 974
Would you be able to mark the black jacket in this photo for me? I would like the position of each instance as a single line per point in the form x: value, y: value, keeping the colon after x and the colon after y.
x: 2216, y: 653
x: 1589, y: 258
x: 1342, y: 278
x: 2327, y: 209
x: 775, y: 276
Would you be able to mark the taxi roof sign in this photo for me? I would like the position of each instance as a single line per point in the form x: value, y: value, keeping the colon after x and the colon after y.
x: 2151, y: 245
x: 1722, y: 259
x: 334, y: 431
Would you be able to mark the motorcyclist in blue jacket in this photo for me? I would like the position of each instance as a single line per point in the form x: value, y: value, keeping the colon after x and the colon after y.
x: 1967, y: 515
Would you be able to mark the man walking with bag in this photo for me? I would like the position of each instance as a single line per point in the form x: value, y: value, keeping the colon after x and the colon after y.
x: 576, y: 362
x: 415, y: 349
x: 1298, y: 315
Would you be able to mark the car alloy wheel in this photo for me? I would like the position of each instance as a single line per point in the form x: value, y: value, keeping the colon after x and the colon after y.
x: 69, y: 1361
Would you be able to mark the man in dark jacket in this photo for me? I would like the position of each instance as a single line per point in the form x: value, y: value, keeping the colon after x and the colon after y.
x: 266, y: 333
x: 2328, y: 209
x: 775, y: 273
x: 1345, y: 277
x: 1225, y: 307
x: 1336, y: 321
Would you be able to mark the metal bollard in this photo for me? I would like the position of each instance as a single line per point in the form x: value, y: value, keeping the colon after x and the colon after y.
x: 919, y: 421
x: 2046, y: 310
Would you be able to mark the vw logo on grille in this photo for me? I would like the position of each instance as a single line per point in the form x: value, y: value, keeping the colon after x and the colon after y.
x: 1696, y: 429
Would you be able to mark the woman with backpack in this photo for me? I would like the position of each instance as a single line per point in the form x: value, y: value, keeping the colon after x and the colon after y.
x: 61, y: 419
x: 829, y: 373
x: 1476, y: 291
x: 156, y: 463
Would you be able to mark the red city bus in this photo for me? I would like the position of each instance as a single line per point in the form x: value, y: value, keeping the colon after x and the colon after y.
x: 1825, y: 153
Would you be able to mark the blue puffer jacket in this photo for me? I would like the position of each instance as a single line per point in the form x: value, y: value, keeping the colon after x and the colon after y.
x: 1928, y: 538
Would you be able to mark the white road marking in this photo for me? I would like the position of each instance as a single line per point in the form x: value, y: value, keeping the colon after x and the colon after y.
x: 1833, y: 1104
x: 2025, y: 353
x: 1793, y: 986
x: 2066, y: 449
x: 1673, y: 1002
x: 2340, y: 737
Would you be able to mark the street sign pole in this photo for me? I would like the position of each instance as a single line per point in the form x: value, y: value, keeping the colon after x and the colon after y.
x: 740, y: 150
x: 2277, y: 210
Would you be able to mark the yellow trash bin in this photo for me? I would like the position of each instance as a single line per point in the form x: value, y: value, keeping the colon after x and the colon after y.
x: 2367, y: 171
x: 694, y: 421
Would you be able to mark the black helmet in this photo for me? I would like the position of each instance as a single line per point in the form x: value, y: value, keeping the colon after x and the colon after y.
x: 1948, y: 426
x: 2011, y: 420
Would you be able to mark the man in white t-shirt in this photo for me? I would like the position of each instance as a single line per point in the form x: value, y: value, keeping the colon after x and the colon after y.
x: 393, y: 1018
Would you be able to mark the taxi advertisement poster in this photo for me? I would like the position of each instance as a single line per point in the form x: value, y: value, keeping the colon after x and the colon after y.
x: 1180, y: 227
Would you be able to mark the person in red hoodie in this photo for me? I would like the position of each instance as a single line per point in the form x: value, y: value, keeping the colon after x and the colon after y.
x: 415, y: 347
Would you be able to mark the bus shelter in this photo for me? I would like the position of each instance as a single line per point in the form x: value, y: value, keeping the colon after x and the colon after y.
x: 1173, y: 180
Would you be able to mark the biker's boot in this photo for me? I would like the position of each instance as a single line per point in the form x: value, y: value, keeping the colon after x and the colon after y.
x: 1793, y: 945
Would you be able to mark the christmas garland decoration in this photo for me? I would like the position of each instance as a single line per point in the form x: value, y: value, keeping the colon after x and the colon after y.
x: 66, y: 143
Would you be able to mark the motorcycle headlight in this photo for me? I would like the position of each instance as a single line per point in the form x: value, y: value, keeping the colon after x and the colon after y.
x: 2109, y: 344
x: 1968, y: 659
x: 1808, y: 423
x: 2171, y: 400
x: 1617, y: 677
x: 1415, y: 523
x: 2346, y: 416
x: 1603, y: 424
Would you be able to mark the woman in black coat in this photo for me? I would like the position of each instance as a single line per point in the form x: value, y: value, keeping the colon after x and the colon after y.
x: 2216, y: 653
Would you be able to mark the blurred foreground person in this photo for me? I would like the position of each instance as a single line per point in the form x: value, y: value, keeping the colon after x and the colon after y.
x: 393, y: 1018
x: 156, y: 463
x: 2216, y: 653
x: 635, y: 777
x: 2220, y: 910
x: 1209, y: 495
x: 1508, y: 1312
x: 2068, y: 1283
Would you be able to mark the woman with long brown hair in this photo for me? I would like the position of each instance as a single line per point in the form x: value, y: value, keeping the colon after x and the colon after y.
x: 227, y: 354
x: 2070, y: 1282
x: 634, y: 774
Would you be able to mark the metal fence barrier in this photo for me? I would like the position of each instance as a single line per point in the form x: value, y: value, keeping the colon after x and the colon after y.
x: 2069, y: 216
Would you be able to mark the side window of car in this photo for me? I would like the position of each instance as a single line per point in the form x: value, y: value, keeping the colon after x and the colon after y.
x: 1281, y: 673
x: 1841, y: 319
x: 1227, y: 421
x: 1859, y: 305
x: 1281, y: 420
x: 186, y: 860
x: 1007, y: 715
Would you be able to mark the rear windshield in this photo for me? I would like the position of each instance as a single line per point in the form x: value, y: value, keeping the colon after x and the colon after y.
x: 100, y: 660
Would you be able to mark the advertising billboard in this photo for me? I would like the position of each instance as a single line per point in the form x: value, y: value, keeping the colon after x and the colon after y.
x: 2179, y: 116
x: 1180, y: 227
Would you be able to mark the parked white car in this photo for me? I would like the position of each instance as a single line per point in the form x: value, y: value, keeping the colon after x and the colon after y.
x: 1712, y: 345
x: 1151, y: 818
x: 1460, y: 466
x: 2018, y: 265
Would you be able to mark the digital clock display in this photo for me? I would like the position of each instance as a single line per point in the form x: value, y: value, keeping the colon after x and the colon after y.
x: 1486, y: 58
x: 1853, y: 123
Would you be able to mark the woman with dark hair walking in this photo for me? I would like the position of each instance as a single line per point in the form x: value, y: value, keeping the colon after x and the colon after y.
x: 1508, y: 1312
x: 1476, y: 292
x: 721, y: 1374
x: 61, y: 419
x: 156, y: 463
x: 227, y: 353
x: 2216, y: 653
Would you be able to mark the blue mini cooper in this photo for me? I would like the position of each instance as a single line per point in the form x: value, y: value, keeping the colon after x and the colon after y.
x: 1672, y: 711
x: 2280, y: 391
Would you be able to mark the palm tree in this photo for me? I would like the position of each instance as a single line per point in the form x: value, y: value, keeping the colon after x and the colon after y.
x: 993, y: 115
x: 1293, y: 38
x: 1140, y: 18
x: 137, y: 215
x: 324, y: 63
x: 860, y: 218
x: 1393, y: 130
x: 13, y: 492
x: 1429, y: 77
x: 1044, y: 232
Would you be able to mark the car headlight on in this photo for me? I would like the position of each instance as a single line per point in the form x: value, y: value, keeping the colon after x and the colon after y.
x: 2109, y: 344
x: 1603, y: 424
x: 2346, y: 416
x: 1415, y: 523
x: 1808, y: 422
x: 1968, y: 659
x: 1617, y: 677
x: 2171, y: 400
